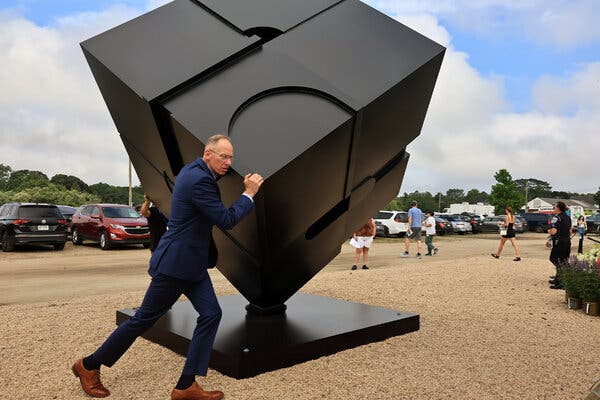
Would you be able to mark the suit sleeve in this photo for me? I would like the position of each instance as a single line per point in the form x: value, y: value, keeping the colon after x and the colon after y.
x: 207, y: 199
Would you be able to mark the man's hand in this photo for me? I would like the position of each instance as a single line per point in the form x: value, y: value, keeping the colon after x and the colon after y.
x: 252, y: 183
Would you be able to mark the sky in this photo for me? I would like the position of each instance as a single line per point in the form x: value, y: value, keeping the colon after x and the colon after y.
x: 519, y: 89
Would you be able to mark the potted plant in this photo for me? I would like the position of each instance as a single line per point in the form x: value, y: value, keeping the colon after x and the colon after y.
x: 581, y: 279
x: 570, y: 275
x: 590, y: 292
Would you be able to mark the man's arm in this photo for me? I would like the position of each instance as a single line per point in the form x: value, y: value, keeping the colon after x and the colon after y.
x: 145, y: 210
x: 205, y: 197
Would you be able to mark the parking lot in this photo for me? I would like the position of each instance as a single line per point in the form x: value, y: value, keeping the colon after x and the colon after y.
x: 38, y: 273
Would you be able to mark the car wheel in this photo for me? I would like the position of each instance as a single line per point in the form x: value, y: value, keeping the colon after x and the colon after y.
x: 75, y: 237
x: 539, y: 229
x: 386, y: 231
x: 104, y: 242
x: 59, y: 246
x: 8, y: 242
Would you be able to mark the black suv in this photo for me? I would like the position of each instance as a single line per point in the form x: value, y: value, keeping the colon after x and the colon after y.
x: 32, y: 223
x: 537, y: 222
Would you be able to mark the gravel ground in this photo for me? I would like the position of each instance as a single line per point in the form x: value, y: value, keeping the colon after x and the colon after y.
x: 490, y: 329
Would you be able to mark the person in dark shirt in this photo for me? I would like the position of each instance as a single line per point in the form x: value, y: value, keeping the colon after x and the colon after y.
x: 157, y: 222
x: 560, y: 232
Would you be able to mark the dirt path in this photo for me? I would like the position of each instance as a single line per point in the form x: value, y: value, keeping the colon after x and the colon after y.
x: 490, y: 329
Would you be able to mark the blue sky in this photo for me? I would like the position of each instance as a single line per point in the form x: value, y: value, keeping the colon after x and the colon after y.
x: 519, y: 89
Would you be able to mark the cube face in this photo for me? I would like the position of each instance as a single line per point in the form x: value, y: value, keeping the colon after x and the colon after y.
x: 322, y: 105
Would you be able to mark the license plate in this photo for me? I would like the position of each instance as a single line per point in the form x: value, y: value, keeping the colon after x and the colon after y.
x: 43, y: 228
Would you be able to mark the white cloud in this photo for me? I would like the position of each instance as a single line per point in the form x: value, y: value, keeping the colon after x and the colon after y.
x: 51, y: 110
x: 575, y: 92
x: 471, y: 132
x: 55, y: 120
x: 556, y: 23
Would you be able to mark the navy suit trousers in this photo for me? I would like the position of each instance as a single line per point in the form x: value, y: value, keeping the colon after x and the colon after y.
x: 162, y: 293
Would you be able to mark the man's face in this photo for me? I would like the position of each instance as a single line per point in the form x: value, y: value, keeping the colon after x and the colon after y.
x: 219, y: 158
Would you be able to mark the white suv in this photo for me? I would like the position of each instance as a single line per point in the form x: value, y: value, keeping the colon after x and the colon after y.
x: 392, y: 222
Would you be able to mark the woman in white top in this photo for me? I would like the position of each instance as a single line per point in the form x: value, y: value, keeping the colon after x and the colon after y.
x: 581, y: 226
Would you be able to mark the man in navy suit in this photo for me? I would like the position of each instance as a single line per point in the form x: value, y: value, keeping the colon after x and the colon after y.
x: 179, y: 266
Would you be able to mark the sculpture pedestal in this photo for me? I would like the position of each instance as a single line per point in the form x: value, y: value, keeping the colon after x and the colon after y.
x: 311, y: 327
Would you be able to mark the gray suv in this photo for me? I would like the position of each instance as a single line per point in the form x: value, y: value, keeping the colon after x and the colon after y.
x: 32, y: 223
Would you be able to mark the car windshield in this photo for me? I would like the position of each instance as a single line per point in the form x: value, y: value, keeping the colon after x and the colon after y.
x: 120, y: 212
x: 39, y: 212
x: 67, y: 210
x: 383, y: 215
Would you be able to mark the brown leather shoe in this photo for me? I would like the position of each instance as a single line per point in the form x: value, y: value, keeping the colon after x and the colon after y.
x: 195, y: 392
x: 90, y: 380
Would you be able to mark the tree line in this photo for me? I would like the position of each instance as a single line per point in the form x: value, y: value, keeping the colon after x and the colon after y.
x: 505, y: 192
x: 35, y: 186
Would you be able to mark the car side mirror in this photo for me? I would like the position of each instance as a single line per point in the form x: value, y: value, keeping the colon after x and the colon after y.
x: 95, y: 216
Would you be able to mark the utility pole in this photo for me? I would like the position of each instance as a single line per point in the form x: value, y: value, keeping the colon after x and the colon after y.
x: 526, y: 194
x: 130, y: 192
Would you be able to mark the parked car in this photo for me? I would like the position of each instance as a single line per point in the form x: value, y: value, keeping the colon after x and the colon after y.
x: 459, y: 225
x: 110, y: 225
x: 468, y: 222
x: 442, y: 226
x: 593, y: 224
x: 537, y: 222
x: 490, y: 224
x: 380, y: 229
x: 524, y: 224
x: 392, y: 222
x: 67, y: 212
x: 32, y: 223
x: 475, y: 221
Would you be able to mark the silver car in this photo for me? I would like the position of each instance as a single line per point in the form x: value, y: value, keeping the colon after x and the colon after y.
x: 492, y: 224
x: 459, y: 225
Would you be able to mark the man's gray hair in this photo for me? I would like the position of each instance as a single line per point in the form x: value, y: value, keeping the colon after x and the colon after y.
x: 212, y: 141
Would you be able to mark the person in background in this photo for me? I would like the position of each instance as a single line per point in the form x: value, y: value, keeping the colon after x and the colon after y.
x: 430, y: 233
x: 560, y: 233
x: 157, y: 222
x: 581, y: 229
x: 415, y: 216
x: 362, y: 240
x: 508, y: 225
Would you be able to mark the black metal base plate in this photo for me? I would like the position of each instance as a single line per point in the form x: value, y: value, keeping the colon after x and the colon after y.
x: 312, y: 327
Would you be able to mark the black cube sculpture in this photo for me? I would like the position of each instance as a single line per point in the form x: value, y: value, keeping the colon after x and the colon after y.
x: 320, y: 97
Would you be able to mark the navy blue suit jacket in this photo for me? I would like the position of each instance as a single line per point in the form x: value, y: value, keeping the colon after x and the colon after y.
x: 187, y: 248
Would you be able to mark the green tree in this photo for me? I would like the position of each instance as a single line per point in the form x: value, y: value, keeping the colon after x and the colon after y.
x: 455, y: 196
x: 597, y: 197
x: 474, y: 196
x: 504, y: 193
x: 70, y: 182
x: 425, y: 201
x: 440, y: 202
x: 395, y: 204
x: 25, y: 178
x: 532, y: 188
x: 559, y: 194
x: 51, y: 193
x: 117, y: 194
x: 5, y: 172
